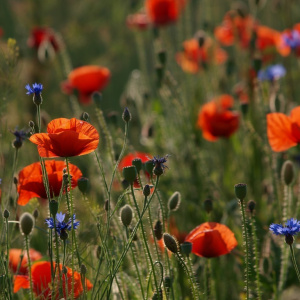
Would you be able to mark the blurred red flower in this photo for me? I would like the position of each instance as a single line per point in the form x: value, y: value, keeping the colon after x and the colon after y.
x: 217, y: 120
x: 41, y: 278
x: 15, y: 259
x: 138, y: 21
x: 283, y: 131
x: 30, y: 181
x: 195, y: 56
x: 211, y: 239
x: 163, y: 12
x: 41, y: 36
x: 86, y: 80
x: 66, y: 138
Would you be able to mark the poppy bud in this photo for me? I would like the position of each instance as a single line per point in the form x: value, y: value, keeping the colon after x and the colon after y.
x: 85, y: 117
x: 208, y: 205
x: 83, y: 269
x: 97, y: 98
x: 83, y: 184
x: 186, y: 248
x: 251, y: 206
x: 137, y: 162
x: 158, y: 230
x: 174, y: 201
x: 98, y: 252
x: 31, y: 124
x: 6, y: 214
x: 289, y: 239
x: 126, y: 115
x: 35, y: 214
x: 149, y: 166
x: 240, y: 190
x: 126, y: 215
x: 146, y: 190
x: 64, y: 235
x: 26, y: 224
x: 106, y: 205
x: 170, y: 242
x: 53, y: 207
x: 162, y: 57
x: 287, y: 172
x: 130, y: 173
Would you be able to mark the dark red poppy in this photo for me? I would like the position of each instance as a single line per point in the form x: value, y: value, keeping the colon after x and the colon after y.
x: 194, y: 55
x: 211, y: 239
x: 86, y: 80
x: 66, y: 138
x: 283, y: 131
x: 30, y: 181
x: 43, y: 35
x: 216, y: 119
x: 15, y: 259
x: 138, y: 21
x: 162, y: 12
x: 41, y: 279
x: 126, y: 161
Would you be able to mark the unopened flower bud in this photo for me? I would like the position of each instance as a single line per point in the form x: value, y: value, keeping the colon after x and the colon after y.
x: 186, y: 248
x: 149, y: 166
x: 35, y: 213
x: 208, y: 205
x: 240, y: 190
x: 26, y: 224
x: 251, y: 206
x: 6, y: 214
x: 130, y: 173
x: 170, y: 242
x: 83, y: 269
x: 53, y: 207
x: 158, y: 230
x: 64, y: 235
x: 126, y: 215
x: 146, y: 190
x: 174, y: 201
x: 287, y: 172
x: 83, y: 184
x: 126, y: 115
x: 137, y: 162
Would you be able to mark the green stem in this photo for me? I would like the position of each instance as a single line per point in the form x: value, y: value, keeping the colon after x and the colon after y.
x: 29, y: 267
x: 294, y: 262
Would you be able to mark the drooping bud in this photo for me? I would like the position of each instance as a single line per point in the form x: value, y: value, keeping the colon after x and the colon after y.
x: 170, y: 242
x: 186, y: 248
x: 240, y: 190
x: 53, y: 207
x: 146, y: 190
x: 137, y: 162
x: 130, y: 173
x: 26, y: 223
x: 83, y: 184
x: 126, y: 215
x: 126, y: 115
x: 287, y: 172
x: 6, y: 214
x: 158, y: 230
x: 174, y: 201
x: 208, y: 205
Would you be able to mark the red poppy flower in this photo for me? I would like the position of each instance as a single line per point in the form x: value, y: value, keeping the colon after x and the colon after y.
x: 162, y: 12
x: 30, y: 181
x: 86, y: 80
x: 15, y: 260
x: 194, y: 55
x: 283, y: 131
x: 41, y: 279
x: 211, y: 239
x: 66, y: 138
x: 40, y: 36
x: 217, y: 120
x: 126, y: 161
x: 138, y: 21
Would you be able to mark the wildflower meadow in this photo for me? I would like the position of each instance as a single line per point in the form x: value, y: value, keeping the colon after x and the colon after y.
x: 149, y: 149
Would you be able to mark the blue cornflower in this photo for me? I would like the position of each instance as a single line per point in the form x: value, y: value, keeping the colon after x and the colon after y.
x: 61, y: 226
x: 292, y: 39
x: 292, y: 227
x: 35, y: 89
x: 271, y: 73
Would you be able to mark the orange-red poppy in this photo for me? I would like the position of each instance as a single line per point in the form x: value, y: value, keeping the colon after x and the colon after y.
x: 217, y: 120
x: 86, y: 80
x: 211, y: 239
x: 194, y: 55
x: 41, y: 279
x: 30, y: 181
x: 162, y: 12
x: 283, y: 131
x: 15, y: 259
x: 41, y: 36
x: 66, y: 138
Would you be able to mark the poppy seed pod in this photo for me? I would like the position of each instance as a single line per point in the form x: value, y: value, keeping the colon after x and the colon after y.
x: 170, y: 242
x: 126, y: 215
x: 26, y: 224
x: 137, y: 162
x: 130, y: 173
x: 240, y: 190
x: 149, y: 166
x: 83, y: 184
x: 158, y: 230
x: 126, y: 115
x: 287, y: 172
x: 174, y: 201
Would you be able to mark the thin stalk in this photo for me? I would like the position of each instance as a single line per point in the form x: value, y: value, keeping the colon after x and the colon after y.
x: 294, y: 262
x: 29, y: 267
